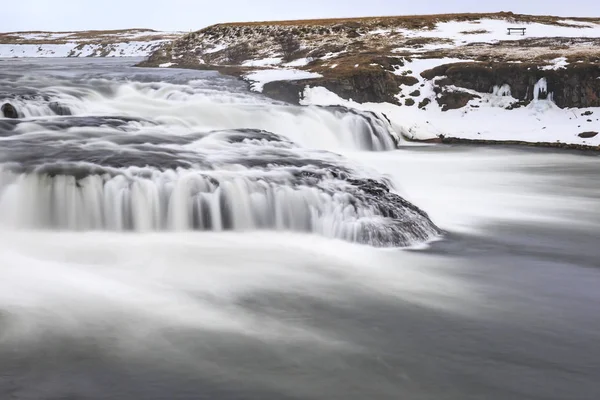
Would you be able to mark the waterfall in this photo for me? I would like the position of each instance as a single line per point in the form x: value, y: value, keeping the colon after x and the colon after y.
x: 191, y: 200
x: 120, y: 155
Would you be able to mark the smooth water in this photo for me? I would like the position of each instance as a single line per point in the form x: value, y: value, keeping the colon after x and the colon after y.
x: 177, y: 237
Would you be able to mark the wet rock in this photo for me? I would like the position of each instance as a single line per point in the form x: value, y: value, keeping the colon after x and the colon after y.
x: 59, y: 109
x: 454, y: 100
x: 362, y: 86
x: 575, y: 86
x: 423, y: 103
x: 9, y: 111
x: 518, y: 104
x: 587, y: 135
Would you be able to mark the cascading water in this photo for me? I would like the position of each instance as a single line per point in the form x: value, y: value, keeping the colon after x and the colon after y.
x: 145, y: 156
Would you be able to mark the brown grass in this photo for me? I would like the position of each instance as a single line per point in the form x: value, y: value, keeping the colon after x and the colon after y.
x: 475, y: 32
x: 421, y: 41
x: 414, y: 21
x: 94, y: 36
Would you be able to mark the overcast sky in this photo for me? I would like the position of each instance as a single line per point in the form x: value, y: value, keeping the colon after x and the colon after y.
x: 185, y: 15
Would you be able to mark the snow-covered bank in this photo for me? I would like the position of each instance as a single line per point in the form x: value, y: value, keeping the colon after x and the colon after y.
x: 73, y: 49
x: 540, y: 121
x: 122, y: 43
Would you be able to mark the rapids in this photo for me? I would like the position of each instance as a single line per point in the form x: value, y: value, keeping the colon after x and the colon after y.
x: 191, y: 151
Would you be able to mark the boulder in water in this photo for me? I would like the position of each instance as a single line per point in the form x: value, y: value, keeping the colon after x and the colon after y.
x: 9, y: 111
x: 59, y: 109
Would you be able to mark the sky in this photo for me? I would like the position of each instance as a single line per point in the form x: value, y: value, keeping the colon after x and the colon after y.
x: 186, y: 15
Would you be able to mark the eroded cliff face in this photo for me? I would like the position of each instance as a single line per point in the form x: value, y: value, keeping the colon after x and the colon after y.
x: 574, y: 86
x: 359, y: 85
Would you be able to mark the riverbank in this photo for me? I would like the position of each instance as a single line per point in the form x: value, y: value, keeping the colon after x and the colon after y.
x: 452, y: 75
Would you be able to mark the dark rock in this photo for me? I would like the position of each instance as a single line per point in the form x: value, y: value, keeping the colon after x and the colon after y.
x: 409, y: 102
x: 424, y: 103
x: 159, y: 56
x: 577, y: 85
x: 363, y: 86
x: 386, y: 118
x: 284, y: 91
x: 9, y: 111
x: 557, y: 145
x: 416, y: 93
x: 585, y: 114
x: 589, y: 120
x: 59, y: 109
x: 518, y: 104
x: 454, y: 100
x: 587, y: 135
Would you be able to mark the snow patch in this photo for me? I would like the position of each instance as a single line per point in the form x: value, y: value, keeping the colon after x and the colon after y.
x: 263, y: 62
x: 260, y: 78
x: 557, y: 63
x: 215, y: 49
x: 301, y: 62
x: 541, y: 121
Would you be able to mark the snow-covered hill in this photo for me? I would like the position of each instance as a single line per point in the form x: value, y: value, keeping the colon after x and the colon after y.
x: 439, y: 76
x: 120, y: 43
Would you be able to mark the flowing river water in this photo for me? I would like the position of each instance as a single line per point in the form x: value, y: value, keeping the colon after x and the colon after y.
x: 166, y: 234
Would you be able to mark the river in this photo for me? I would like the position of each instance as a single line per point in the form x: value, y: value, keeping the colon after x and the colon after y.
x: 166, y: 234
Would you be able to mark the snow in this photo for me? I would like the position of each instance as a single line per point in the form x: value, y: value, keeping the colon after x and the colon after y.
x: 260, y: 78
x: 301, y: 62
x: 380, y: 32
x: 557, y: 63
x: 36, y: 50
x: 540, y: 121
x: 166, y: 65
x: 503, y: 90
x: 417, y: 65
x: 72, y: 49
x: 496, y: 30
x: 262, y: 62
x: 215, y: 49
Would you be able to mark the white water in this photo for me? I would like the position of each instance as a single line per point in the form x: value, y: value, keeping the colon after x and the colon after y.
x: 177, y: 201
x: 193, y: 155
x: 182, y: 107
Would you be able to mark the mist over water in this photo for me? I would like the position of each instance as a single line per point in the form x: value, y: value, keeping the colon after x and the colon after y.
x: 176, y: 236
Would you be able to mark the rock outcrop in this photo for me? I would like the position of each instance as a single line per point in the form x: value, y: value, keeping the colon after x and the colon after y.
x: 9, y: 111
x: 360, y: 85
x: 576, y: 85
